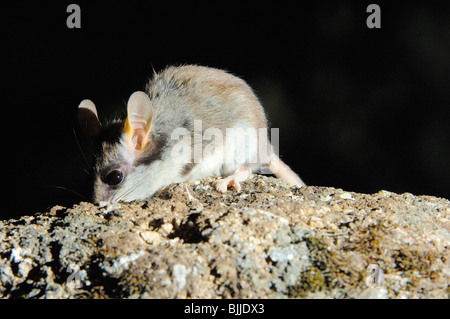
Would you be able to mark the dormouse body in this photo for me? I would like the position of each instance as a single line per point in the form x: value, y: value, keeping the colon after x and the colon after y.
x: 192, y: 122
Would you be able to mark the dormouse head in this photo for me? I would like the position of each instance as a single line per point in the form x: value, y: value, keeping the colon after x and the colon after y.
x: 122, y: 147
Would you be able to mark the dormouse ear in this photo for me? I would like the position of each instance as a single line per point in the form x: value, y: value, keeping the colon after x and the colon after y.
x: 88, y: 118
x: 139, y: 120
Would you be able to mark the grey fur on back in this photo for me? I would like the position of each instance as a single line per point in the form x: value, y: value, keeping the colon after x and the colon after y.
x: 180, y: 95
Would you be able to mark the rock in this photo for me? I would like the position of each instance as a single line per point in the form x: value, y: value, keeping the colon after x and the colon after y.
x: 270, y: 241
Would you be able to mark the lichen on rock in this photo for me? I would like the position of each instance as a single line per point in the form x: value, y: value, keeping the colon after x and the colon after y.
x: 269, y: 241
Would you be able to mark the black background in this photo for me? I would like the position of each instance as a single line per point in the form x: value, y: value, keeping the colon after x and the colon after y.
x: 359, y: 109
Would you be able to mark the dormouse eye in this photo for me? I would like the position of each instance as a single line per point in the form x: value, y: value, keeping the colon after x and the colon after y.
x: 114, y: 177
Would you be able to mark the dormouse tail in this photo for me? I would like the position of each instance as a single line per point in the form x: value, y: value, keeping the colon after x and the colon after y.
x: 281, y: 170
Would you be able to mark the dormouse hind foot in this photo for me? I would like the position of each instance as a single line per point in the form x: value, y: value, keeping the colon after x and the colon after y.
x: 240, y: 175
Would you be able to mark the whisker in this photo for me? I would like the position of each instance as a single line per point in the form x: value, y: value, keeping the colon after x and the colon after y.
x: 84, y: 170
x: 129, y: 191
x: 137, y: 184
x: 114, y: 195
x: 80, y: 148
x: 123, y: 195
x: 65, y: 188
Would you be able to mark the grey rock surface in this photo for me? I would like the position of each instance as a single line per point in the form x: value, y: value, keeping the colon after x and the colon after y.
x: 269, y: 241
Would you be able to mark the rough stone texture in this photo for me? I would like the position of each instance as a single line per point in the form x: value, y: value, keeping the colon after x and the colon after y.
x: 270, y: 241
